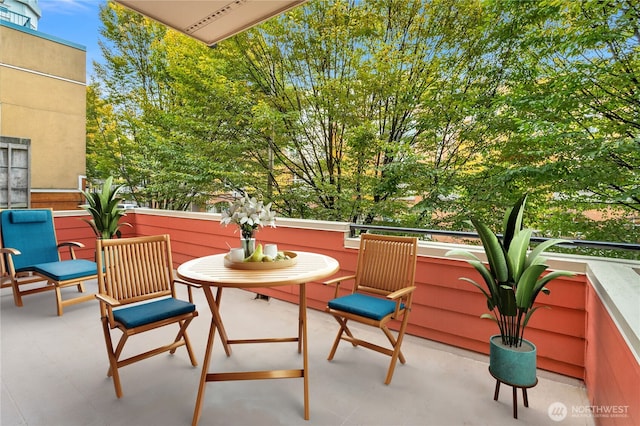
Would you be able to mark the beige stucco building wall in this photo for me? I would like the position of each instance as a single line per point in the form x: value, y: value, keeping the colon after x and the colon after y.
x: 43, y: 98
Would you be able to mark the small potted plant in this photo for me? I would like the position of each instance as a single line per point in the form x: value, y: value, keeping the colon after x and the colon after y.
x: 103, y: 208
x: 513, y: 280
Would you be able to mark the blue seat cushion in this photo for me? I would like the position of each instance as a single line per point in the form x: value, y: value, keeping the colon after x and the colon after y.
x: 65, y: 269
x: 136, y: 316
x: 364, y: 305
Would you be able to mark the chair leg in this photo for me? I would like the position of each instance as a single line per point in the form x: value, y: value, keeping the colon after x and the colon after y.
x: 117, y: 352
x: 59, y: 300
x: 17, y: 297
x: 394, y: 360
x: 346, y: 330
x: 192, y: 357
x: 396, y: 343
x: 80, y: 287
x: 343, y: 329
x: 336, y: 342
x: 182, y: 335
x: 178, y: 336
x: 113, y: 360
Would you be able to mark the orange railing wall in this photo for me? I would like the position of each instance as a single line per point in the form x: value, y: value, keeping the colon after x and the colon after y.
x: 575, y: 337
x: 612, y: 373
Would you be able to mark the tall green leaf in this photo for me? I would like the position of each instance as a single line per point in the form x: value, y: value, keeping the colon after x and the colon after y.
x: 525, y: 290
x: 513, y: 221
x: 517, y: 253
x: 494, y: 251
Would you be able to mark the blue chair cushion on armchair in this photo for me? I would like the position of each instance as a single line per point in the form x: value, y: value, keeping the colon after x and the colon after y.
x: 29, y: 216
x: 136, y: 316
x: 364, y: 305
x: 66, y: 269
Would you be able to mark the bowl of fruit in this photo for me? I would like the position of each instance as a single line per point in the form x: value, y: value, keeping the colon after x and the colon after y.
x: 259, y: 261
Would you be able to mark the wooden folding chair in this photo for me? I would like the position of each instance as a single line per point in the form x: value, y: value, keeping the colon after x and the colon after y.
x: 31, y: 255
x: 137, y: 294
x: 383, y: 291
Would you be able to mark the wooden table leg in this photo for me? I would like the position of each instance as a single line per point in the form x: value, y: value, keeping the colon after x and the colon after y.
x: 301, y: 313
x: 216, y: 314
x: 216, y: 323
x: 207, y: 355
x: 305, y: 361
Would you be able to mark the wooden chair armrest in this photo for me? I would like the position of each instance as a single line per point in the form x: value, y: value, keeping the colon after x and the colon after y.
x: 7, y: 261
x: 190, y: 286
x: 401, y: 293
x: 9, y: 250
x: 337, y: 282
x: 398, y: 296
x: 71, y: 245
x: 108, y: 300
x: 107, y: 312
x: 187, y: 283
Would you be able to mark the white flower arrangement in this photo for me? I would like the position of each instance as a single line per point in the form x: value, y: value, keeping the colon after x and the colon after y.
x: 249, y: 213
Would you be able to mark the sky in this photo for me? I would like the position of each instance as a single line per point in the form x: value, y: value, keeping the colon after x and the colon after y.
x: 76, y: 21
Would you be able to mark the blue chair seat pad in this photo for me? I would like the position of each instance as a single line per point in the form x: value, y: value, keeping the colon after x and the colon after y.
x: 139, y: 315
x: 65, y: 269
x: 364, y: 305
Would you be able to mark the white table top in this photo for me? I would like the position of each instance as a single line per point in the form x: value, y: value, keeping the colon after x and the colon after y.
x: 210, y: 270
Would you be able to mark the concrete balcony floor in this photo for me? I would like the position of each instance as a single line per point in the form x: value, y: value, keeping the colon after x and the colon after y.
x: 54, y: 373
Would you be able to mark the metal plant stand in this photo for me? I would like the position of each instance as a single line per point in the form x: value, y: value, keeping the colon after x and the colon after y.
x: 515, y: 393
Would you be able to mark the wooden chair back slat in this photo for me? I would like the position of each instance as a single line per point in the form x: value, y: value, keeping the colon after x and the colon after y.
x: 385, y: 263
x: 135, y: 269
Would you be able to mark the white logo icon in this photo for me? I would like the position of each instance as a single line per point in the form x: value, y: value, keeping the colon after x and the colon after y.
x: 557, y: 411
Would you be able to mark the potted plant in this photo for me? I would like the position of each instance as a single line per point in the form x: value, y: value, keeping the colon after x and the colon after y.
x: 103, y: 208
x: 513, y: 280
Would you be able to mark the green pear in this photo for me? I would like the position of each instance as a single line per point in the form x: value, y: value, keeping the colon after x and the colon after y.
x: 256, y: 256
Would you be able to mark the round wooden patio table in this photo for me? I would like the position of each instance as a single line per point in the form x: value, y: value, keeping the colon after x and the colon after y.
x: 210, y: 271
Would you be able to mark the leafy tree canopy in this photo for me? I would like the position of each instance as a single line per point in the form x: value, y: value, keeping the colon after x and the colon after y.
x: 408, y: 112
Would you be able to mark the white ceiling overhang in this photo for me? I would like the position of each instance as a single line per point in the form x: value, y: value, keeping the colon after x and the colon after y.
x: 210, y: 21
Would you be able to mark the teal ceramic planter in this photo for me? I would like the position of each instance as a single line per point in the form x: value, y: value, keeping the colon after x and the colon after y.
x: 514, y: 366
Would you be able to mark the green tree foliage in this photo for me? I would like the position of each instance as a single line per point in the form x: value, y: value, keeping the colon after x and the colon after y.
x: 405, y: 111
x: 177, y: 117
x: 103, y: 150
x: 571, y: 113
x: 368, y: 102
